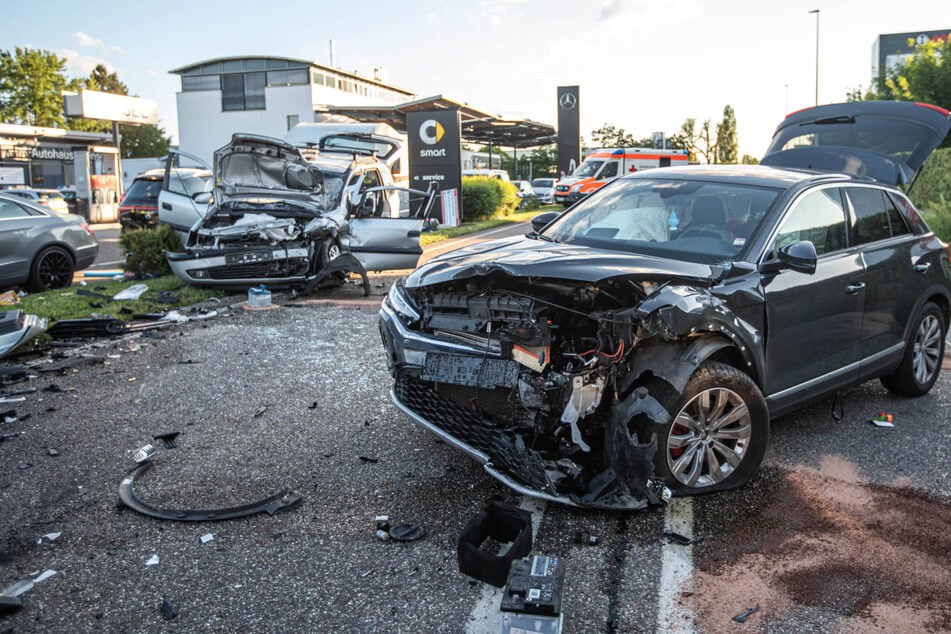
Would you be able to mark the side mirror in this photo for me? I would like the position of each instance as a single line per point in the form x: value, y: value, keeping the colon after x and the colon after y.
x: 202, y: 198
x: 799, y: 256
x: 541, y: 220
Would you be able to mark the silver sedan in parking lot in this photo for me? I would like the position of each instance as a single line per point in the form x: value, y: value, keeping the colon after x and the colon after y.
x: 39, y: 249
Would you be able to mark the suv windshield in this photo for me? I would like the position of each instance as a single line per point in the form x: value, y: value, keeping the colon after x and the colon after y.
x: 696, y: 221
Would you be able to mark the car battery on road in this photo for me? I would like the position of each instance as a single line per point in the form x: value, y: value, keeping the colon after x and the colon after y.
x: 532, y: 597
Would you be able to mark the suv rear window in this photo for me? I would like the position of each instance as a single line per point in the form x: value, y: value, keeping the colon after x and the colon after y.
x: 144, y: 192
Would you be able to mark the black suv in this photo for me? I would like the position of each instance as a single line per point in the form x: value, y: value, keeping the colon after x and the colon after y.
x: 644, y: 338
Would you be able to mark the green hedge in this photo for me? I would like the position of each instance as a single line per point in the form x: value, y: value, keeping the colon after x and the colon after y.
x: 484, y: 197
x: 932, y: 193
x: 145, y: 249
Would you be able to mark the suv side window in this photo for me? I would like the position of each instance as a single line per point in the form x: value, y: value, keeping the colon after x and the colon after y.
x: 871, y: 217
x: 818, y: 217
x: 895, y: 220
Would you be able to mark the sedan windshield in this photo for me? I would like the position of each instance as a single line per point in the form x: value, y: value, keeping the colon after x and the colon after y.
x: 696, y: 221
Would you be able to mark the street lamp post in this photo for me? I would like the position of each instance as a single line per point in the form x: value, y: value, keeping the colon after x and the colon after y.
x: 816, y: 11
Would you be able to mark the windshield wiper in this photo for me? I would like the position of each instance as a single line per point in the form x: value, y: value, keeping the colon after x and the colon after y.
x: 534, y: 235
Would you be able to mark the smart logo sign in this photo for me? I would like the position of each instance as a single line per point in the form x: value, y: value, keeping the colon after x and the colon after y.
x: 434, y: 150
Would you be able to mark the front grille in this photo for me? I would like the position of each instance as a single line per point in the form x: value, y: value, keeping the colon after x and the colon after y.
x: 258, y: 270
x: 506, y: 449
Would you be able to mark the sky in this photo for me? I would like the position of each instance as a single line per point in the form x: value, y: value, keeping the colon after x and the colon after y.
x: 642, y: 65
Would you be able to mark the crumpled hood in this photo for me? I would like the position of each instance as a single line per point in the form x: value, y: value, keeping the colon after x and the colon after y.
x: 526, y: 257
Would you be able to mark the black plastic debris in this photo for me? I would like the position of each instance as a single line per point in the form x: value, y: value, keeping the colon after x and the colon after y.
x: 745, y: 614
x: 168, y: 439
x: 54, y: 388
x: 13, y: 374
x: 283, y: 501
x: 407, y: 532
x: 52, y: 452
x: 68, y: 328
x: 260, y: 411
x: 9, y: 416
x: 677, y: 538
x: 10, y: 436
x: 312, y: 405
x: 368, y: 459
x: 168, y: 612
x: 504, y: 524
x: 188, y: 362
x: 9, y: 605
x: 71, y: 362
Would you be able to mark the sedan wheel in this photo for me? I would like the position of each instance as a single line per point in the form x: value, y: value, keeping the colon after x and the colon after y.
x: 52, y: 268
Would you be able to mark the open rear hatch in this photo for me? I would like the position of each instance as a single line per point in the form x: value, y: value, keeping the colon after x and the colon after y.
x: 888, y: 141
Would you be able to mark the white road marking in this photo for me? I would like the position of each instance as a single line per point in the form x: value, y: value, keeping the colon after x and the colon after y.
x: 676, y: 570
x: 484, y: 618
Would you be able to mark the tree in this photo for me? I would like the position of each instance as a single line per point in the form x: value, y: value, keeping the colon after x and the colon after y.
x: 103, y: 80
x: 30, y: 85
x: 701, y: 143
x: 143, y: 141
x: 925, y: 76
x: 609, y: 136
x: 726, y: 137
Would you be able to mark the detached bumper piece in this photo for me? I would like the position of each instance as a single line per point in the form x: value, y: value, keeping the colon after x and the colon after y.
x: 16, y: 328
x: 278, y: 503
x: 106, y: 327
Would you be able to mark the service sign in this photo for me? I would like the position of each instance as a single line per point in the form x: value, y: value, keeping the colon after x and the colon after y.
x: 92, y: 104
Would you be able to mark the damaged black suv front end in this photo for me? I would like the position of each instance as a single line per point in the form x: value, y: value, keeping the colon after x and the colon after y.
x: 513, y: 377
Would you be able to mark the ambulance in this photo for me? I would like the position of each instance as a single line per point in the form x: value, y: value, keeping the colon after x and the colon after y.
x: 604, y: 165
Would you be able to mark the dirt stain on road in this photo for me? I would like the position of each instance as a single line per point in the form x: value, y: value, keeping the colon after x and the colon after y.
x: 869, y: 558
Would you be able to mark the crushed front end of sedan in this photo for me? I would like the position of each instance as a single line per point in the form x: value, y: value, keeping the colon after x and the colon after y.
x: 278, y: 218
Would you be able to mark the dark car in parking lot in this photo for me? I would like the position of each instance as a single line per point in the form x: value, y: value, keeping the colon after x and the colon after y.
x: 642, y: 340
x: 138, y: 208
x: 39, y: 249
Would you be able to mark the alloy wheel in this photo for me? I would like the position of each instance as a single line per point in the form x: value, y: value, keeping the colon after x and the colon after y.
x: 927, y: 351
x: 709, y: 438
x: 56, y: 270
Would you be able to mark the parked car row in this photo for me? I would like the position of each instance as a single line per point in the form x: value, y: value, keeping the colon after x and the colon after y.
x: 53, y: 199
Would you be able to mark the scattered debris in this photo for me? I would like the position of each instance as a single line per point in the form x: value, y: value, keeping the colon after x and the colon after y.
x: 168, y: 439
x: 13, y: 374
x: 23, y: 466
x: 18, y: 588
x: 131, y: 292
x: 883, y: 420
x: 52, y: 452
x: 677, y: 538
x: 143, y: 453
x: 152, y: 561
x: 745, y: 614
x: 188, y: 362
x: 55, y: 389
x: 260, y: 411
x: 168, y: 612
x: 593, y: 540
x: 12, y: 399
x: 312, y: 405
x: 10, y: 436
x: 9, y: 298
x: 369, y: 460
x: 50, y: 537
x: 9, y: 416
x: 503, y: 524
x: 207, y: 537
x: 407, y: 532
x: 71, y: 362
x: 29, y: 390
x: 9, y: 605
x: 283, y: 501
x: 44, y: 576
x: 16, y: 328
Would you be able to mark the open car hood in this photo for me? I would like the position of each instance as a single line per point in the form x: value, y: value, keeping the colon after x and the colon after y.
x: 888, y: 141
x: 270, y: 168
x: 525, y: 257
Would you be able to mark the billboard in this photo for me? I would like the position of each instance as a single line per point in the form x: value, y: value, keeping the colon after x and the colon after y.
x: 434, y: 151
x: 92, y: 104
x: 569, y: 129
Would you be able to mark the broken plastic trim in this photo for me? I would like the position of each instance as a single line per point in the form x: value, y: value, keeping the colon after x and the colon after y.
x: 283, y: 501
x: 344, y: 262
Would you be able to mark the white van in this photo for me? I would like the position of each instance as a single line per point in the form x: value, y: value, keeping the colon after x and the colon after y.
x: 379, y: 139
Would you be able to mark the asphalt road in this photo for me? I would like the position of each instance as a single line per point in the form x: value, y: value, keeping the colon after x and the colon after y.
x: 844, y: 528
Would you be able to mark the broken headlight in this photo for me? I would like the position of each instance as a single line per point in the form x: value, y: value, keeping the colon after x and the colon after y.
x: 402, y: 304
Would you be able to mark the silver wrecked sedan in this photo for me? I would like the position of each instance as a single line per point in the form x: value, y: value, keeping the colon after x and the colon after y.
x: 39, y: 249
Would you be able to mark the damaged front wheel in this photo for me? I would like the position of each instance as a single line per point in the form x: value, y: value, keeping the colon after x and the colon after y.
x: 717, y: 437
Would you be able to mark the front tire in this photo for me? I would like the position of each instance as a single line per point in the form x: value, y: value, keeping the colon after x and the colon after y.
x: 921, y: 363
x: 52, y: 268
x: 717, y: 434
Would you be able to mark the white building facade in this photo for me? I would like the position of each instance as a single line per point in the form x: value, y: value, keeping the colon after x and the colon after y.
x: 265, y: 95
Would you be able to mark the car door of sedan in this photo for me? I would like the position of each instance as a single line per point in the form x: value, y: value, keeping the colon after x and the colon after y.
x: 176, y: 207
x: 391, y: 240
x: 814, y: 320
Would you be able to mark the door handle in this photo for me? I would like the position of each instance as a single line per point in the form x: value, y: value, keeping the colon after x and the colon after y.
x: 924, y: 267
x: 167, y: 206
x: 852, y: 289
